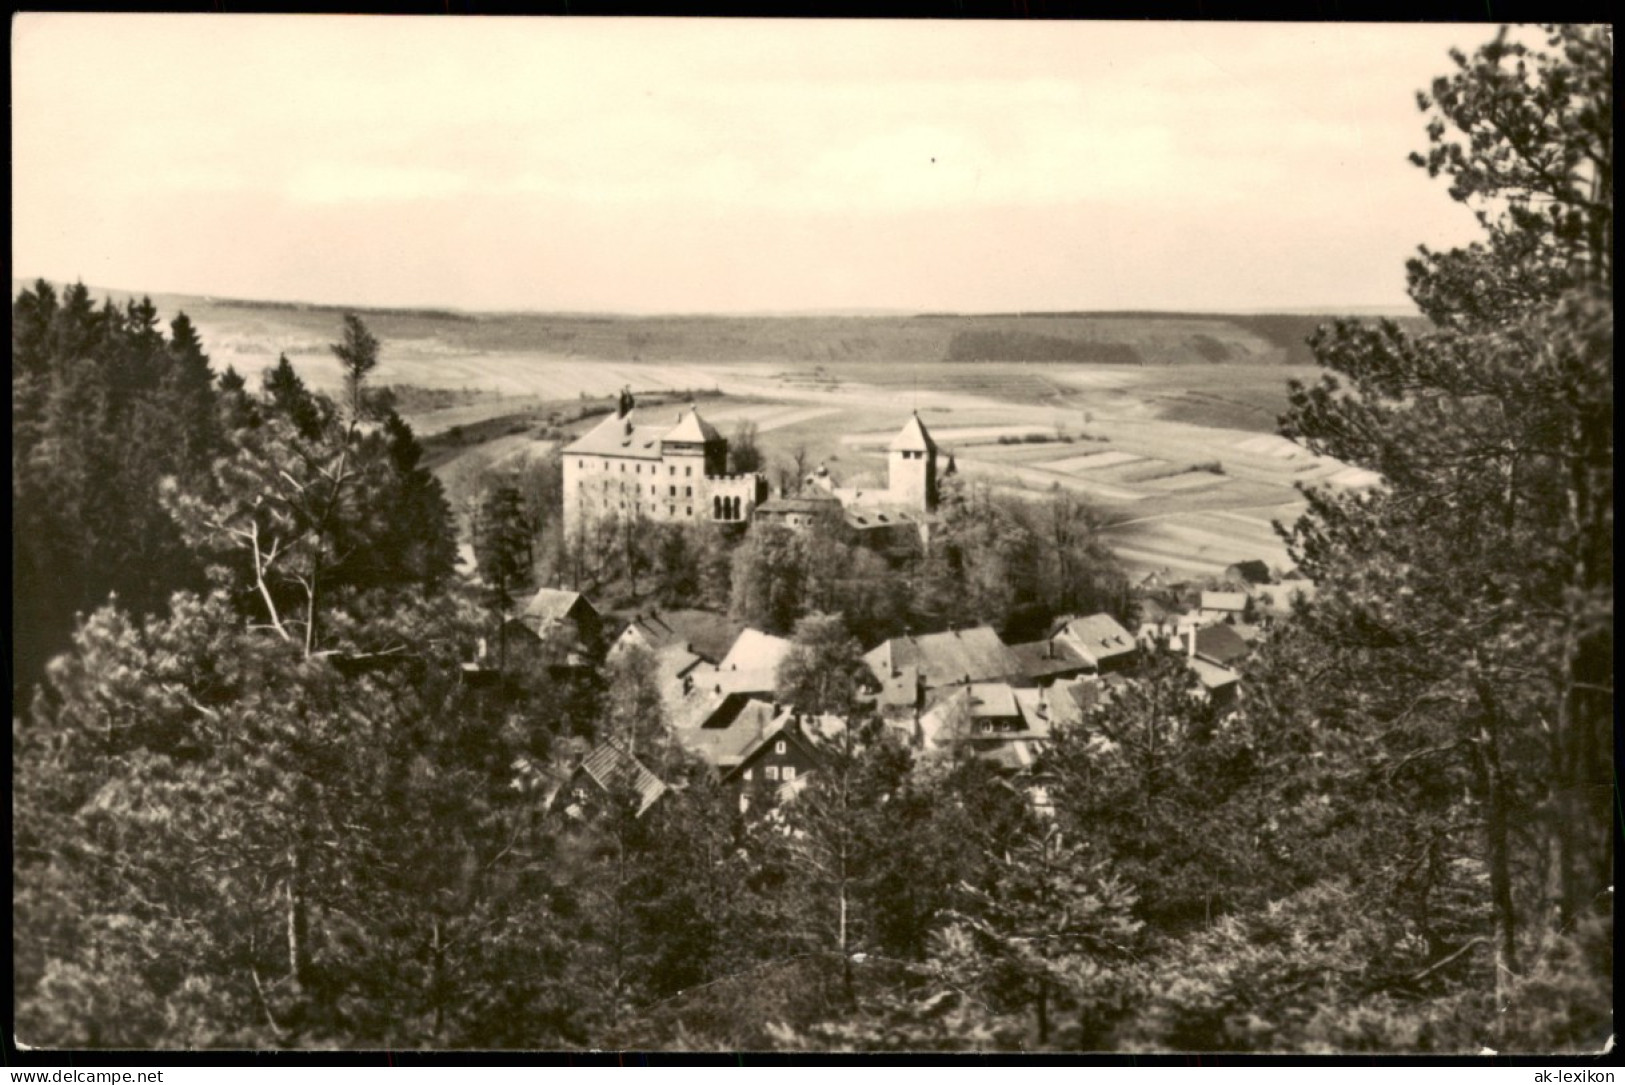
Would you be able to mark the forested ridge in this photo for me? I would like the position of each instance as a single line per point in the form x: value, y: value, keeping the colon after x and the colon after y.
x: 259, y: 801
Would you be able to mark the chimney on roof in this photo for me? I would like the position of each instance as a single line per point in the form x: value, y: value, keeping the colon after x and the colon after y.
x: 623, y: 404
x: 1190, y: 644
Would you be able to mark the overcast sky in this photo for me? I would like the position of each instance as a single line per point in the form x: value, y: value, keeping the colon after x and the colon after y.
x: 698, y: 165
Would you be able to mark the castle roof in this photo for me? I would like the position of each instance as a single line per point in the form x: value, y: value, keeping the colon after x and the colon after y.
x: 620, y: 436
x: 692, y: 429
x: 913, y: 437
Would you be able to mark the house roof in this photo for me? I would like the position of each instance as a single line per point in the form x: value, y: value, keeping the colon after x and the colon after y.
x: 812, y: 506
x: 913, y: 437
x: 1098, y: 637
x: 1224, y: 600
x: 553, y: 604
x: 692, y: 429
x: 865, y: 516
x: 1253, y: 572
x: 899, y: 691
x: 610, y: 766
x: 1220, y: 644
x: 706, y: 634
x: 1211, y: 675
x: 620, y: 436
x: 976, y: 654
x: 808, y: 733
x: 724, y: 747
x: 1043, y: 708
x: 1046, y: 658
x: 755, y: 650
x: 717, y: 679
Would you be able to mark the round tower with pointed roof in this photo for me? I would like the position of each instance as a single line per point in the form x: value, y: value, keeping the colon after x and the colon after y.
x: 912, y: 466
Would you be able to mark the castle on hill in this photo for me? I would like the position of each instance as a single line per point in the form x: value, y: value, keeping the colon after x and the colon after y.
x: 676, y: 472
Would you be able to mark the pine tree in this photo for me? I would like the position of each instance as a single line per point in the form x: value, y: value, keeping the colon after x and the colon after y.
x: 503, y: 533
x: 1476, y: 583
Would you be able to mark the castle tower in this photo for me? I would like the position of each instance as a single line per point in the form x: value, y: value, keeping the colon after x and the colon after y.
x: 695, y: 443
x: 912, y: 467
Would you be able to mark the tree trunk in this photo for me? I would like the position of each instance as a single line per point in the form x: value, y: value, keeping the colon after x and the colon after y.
x: 298, y: 920
x: 439, y: 982
x: 1497, y: 832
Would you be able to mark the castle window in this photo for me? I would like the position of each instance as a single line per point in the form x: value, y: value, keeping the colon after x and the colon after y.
x: 671, y: 510
x: 716, y: 508
x: 581, y: 463
x: 688, y: 491
x: 691, y: 510
x: 674, y: 470
x: 623, y: 468
x: 674, y: 491
x: 688, y: 472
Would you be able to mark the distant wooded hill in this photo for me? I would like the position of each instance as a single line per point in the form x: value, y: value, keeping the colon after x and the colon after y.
x: 1116, y: 338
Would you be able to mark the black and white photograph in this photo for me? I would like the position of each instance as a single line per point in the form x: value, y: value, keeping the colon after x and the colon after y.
x: 812, y: 537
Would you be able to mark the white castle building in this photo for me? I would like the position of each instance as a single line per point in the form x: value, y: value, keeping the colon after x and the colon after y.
x: 675, y: 471
x: 669, y: 471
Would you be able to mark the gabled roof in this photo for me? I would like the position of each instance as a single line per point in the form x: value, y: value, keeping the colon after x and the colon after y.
x: 1224, y: 600
x: 724, y: 747
x: 1220, y: 644
x: 898, y: 692
x: 976, y: 654
x: 755, y: 650
x: 609, y: 766
x: 1097, y: 637
x: 553, y: 604
x: 1211, y: 675
x: 720, y: 680
x: 692, y: 429
x: 982, y: 700
x: 872, y: 516
x: 1253, y: 572
x: 620, y: 436
x: 1047, y: 658
x: 704, y: 633
x: 811, y: 505
x: 809, y: 734
x: 913, y: 437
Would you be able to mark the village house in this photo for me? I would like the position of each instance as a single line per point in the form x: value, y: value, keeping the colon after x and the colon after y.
x: 779, y: 763
x: 1103, y: 644
x: 700, y: 633
x: 956, y: 657
x: 568, y: 615
x: 1223, y: 606
x: 1045, y: 661
x: 606, y: 773
x: 1248, y: 575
